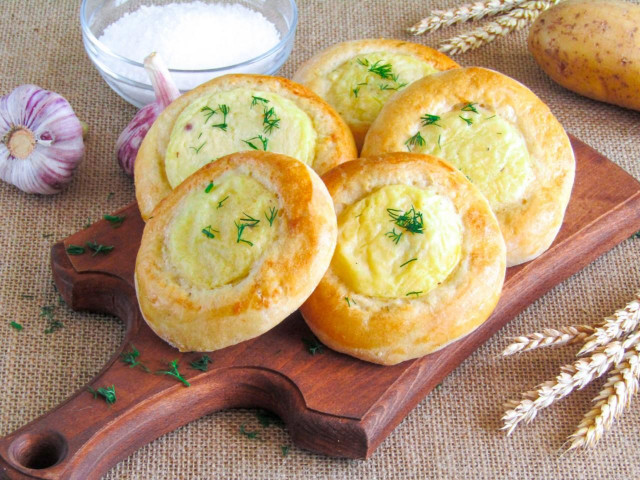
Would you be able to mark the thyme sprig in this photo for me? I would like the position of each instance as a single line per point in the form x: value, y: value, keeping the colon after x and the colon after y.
x: 108, y: 393
x: 173, y: 372
x: 416, y: 141
x: 411, y: 220
x: 97, y: 248
x: 131, y: 359
x: 115, y: 220
x: 201, y: 364
x: 273, y: 213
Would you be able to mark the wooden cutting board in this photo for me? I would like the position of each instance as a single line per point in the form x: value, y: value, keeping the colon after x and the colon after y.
x: 332, y: 403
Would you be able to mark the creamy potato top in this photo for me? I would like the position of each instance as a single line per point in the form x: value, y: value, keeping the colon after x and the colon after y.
x: 218, y: 233
x: 488, y: 149
x: 361, y: 85
x: 237, y: 120
x: 399, y: 241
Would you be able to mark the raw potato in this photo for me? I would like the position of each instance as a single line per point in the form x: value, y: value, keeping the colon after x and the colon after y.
x: 591, y: 47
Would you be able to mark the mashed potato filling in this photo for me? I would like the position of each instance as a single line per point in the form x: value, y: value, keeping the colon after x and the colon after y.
x: 233, y: 121
x: 219, y: 232
x: 399, y: 241
x: 488, y: 149
x: 362, y: 84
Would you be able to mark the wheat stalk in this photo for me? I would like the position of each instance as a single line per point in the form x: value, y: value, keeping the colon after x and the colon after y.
x: 464, y: 13
x: 621, y: 323
x: 614, y: 397
x: 549, y: 337
x: 516, y: 19
x: 572, y: 376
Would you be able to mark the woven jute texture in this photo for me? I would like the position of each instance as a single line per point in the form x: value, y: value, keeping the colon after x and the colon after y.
x: 452, y: 434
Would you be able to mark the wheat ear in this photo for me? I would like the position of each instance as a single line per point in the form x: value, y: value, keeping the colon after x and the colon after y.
x: 549, y: 337
x: 572, y: 376
x: 614, y: 397
x: 464, y: 13
x: 621, y: 323
x: 516, y: 19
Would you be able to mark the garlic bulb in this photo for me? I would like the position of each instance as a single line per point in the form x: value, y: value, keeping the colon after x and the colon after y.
x: 166, y: 92
x: 40, y: 140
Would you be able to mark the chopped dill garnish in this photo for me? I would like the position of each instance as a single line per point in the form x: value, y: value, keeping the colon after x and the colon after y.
x: 270, y: 120
x: 386, y: 86
x: 470, y: 107
x: 252, y: 435
x: 209, y: 187
x: 89, y: 223
x: 350, y: 301
x: 225, y: 111
x: 209, y: 112
x: 383, y: 70
x: 221, y: 202
x: 174, y: 373
x: 428, y: 119
x: 285, y: 450
x: 201, y: 364
x: 267, y: 418
x: 489, y: 118
x: 111, y: 195
x: 263, y: 140
x: 114, y: 220
x: 16, y: 325
x: 313, y: 345
x: 249, y: 220
x: 74, y: 250
x: 197, y: 149
x: 27, y: 296
x: 209, y: 232
x: 131, y: 359
x: 356, y: 91
x: 468, y: 121
x: 99, y: 248
x: 273, y: 213
x: 416, y: 141
x: 417, y: 294
x: 394, y: 236
x: 411, y: 220
x: 47, y: 235
x: 255, y: 100
x: 47, y: 312
x: 108, y: 393
x: 635, y: 235
x: 240, y: 227
x: 408, y: 261
x: 439, y: 146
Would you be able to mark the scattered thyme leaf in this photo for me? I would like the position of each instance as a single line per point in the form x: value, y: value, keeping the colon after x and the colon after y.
x: 74, y: 250
x: 115, y: 220
x: 16, y: 325
x: 252, y: 435
x: 202, y: 363
x: 313, y: 345
x: 108, y: 393
x: 174, y: 373
x: 408, y: 261
x: 273, y: 213
x: 99, y: 248
x: 209, y: 187
x: 416, y: 141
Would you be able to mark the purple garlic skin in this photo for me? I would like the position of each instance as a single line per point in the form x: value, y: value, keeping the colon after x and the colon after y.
x: 166, y: 92
x: 40, y: 140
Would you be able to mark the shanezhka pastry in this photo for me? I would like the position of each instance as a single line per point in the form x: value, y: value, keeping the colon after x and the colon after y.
x: 419, y: 263
x: 236, y: 113
x: 234, y: 250
x: 500, y: 135
x: 358, y: 77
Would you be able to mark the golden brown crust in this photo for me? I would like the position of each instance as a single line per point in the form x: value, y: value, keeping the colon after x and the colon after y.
x: 389, y: 331
x: 334, y: 143
x: 197, y: 319
x: 313, y: 72
x: 531, y: 226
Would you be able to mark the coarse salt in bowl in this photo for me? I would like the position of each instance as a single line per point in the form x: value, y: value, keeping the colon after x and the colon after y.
x: 197, y: 39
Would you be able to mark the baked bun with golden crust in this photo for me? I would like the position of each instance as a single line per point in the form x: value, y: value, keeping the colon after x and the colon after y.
x: 358, y: 77
x: 233, y: 250
x: 236, y: 113
x: 419, y: 263
x: 500, y: 135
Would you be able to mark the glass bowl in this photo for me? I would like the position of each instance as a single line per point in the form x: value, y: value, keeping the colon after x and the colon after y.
x: 128, y: 78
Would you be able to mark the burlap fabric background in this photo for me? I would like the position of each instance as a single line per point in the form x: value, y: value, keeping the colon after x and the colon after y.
x: 451, y: 434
